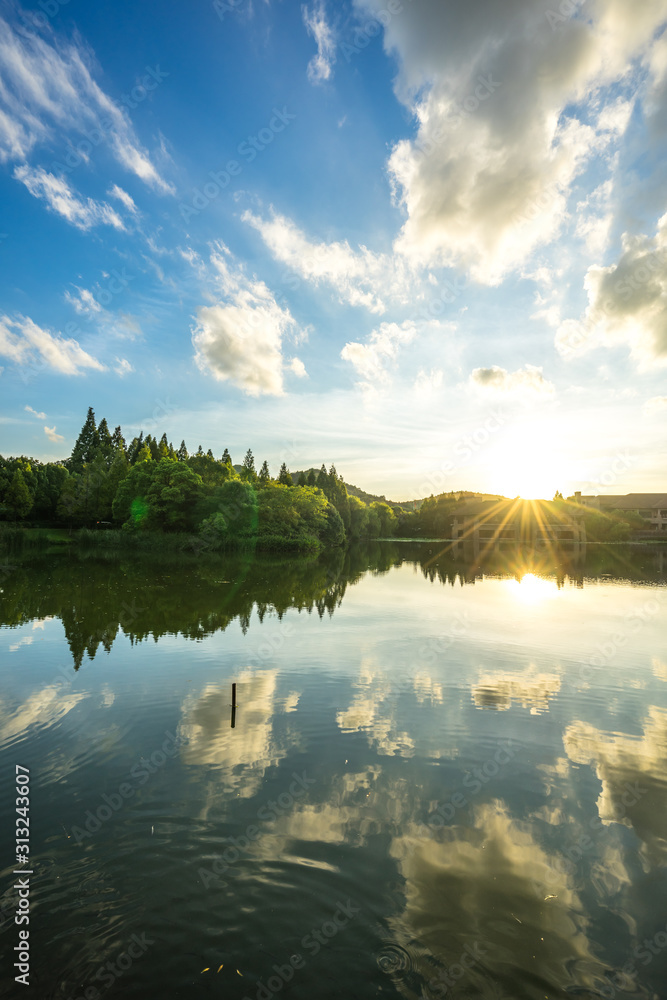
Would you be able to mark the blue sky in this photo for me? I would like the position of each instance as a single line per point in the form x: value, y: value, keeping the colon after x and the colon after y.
x: 422, y: 240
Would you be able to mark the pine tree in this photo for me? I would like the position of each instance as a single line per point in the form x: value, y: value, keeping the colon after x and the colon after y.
x: 182, y: 453
x: 134, y: 448
x: 163, y: 447
x: 144, y: 454
x: 264, y: 474
x: 209, y: 454
x: 118, y: 441
x: 106, y: 441
x: 226, y: 457
x: 86, y: 445
x: 248, y: 466
x: 284, y: 476
x: 200, y: 451
x: 311, y: 478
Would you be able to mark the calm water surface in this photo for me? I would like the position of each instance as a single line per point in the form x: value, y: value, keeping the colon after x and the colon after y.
x: 443, y: 779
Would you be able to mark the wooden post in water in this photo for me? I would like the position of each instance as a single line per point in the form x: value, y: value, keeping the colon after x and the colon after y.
x: 233, y: 706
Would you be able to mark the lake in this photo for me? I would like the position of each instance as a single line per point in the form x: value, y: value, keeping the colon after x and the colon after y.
x: 443, y: 776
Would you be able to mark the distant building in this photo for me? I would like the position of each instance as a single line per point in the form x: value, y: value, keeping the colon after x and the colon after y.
x: 651, y: 506
x: 490, y: 523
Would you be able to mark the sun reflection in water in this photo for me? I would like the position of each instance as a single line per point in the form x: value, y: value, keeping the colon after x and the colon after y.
x: 531, y: 589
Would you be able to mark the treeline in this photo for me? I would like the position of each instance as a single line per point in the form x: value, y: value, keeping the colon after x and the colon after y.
x: 148, y: 485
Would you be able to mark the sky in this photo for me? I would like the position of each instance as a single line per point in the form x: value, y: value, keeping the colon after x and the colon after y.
x: 422, y: 240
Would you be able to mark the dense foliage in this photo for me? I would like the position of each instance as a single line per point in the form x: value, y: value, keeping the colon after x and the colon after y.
x: 148, y: 486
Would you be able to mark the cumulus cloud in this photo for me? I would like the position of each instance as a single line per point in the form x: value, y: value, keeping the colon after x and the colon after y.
x: 508, y: 112
x: 40, y: 416
x: 240, y: 337
x: 627, y: 303
x: 315, y: 20
x: 52, y: 436
x: 46, y: 85
x: 360, y: 277
x: 370, y: 360
x: 297, y: 367
x: 524, y: 380
x: 26, y: 343
x: 60, y: 198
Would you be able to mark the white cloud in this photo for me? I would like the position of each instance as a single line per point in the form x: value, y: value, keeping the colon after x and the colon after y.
x: 46, y: 84
x: 40, y: 416
x: 427, y: 383
x: 370, y: 360
x: 123, y: 367
x: 657, y: 404
x: 627, y: 303
x: 527, y: 380
x: 240, y: 337
x: 61, y: 199
x: 361, y: 278
x: 508, y: 114
x: 52, y: 436
x: 84, y: 303
x: 25, y: 343
x: 127, y: 200
x: 297, y: 367
x: 315, y: 20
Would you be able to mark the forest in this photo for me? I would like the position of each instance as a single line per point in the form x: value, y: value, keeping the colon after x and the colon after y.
x: 146, y: 488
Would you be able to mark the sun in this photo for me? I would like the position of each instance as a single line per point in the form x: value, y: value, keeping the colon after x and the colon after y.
x: 528, y: 463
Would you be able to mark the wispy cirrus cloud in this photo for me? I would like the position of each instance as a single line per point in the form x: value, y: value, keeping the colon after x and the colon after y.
x: 40, y: 416
x: 60, y: 198
x: 315, y: 19
x: 359, y: 277
x: 47, y: 90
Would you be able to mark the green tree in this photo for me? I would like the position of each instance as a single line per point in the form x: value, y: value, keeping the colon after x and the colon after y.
x: 386, y: 517
x: 118, y: 441
x: 248, y: 467
x: 226, y: 457
x: 284, y: 477
x: 311, y: 478
x: 264, y: 474
x: 182, y: 453
x: 17, y: 498
x: 173, y: 494
x: 86, y: 445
